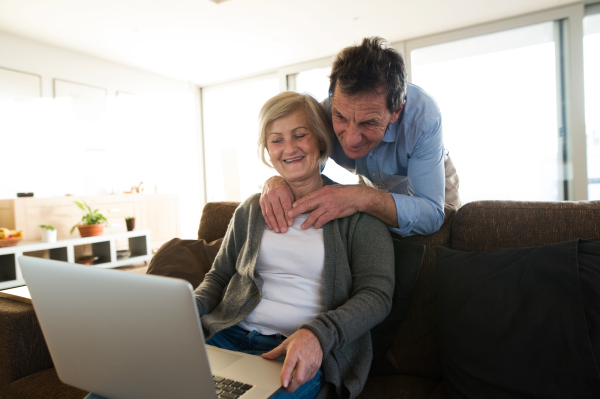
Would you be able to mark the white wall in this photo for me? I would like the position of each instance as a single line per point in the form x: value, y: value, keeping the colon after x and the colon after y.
x: 151, y: 137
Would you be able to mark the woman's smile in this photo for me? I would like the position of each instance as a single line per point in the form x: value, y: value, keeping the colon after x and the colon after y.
x: 295, y: 151
x: 293, y: 160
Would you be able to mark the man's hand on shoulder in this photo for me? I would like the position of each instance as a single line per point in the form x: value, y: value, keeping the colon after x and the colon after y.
x: 328, y: 203
x: 275, y: 201
x: 338, y: 201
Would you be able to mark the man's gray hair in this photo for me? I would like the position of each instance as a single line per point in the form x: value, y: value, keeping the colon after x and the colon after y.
x: 367, y: 67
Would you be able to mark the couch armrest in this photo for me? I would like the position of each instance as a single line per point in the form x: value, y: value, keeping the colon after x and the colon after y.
x: 23, y: 350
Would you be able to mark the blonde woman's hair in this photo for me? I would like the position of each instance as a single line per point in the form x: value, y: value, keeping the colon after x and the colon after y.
x: 286, y: 103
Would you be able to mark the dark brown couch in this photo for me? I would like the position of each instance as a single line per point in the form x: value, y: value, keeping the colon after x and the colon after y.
x: 26, y: 370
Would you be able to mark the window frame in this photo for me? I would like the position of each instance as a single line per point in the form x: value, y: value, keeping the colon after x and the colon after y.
x: 570, y: 79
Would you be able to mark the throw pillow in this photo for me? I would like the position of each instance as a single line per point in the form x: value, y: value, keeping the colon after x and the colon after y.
x: 520, y: 322
x: 408, y: 260
x: 186, y: 259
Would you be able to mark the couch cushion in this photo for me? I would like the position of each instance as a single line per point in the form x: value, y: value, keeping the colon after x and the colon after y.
x: 398, y: 387
x: 438, y: 392
x: 41, y: 385
x: 186, y: 259
x: 416, y: 347
x: 485, y: 225
x: 23, y: 350
x: 521, y: 322
x: 408, y: 260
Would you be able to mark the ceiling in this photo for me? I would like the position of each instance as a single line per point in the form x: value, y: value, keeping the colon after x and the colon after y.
x: 204, y: 42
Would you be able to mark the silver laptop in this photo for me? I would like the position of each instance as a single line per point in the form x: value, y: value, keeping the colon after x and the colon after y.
x: 129, y: 336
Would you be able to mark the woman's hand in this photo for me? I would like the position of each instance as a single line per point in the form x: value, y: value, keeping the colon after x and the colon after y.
x: 302, y: 361
x: 275, y: 201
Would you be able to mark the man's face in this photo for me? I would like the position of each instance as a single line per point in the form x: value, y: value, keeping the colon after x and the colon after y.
x: 360, y: 120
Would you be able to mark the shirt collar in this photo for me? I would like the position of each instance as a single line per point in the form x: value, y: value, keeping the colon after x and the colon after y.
x: 390, y: 133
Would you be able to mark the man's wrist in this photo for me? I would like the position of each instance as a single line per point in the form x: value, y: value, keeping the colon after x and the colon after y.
x: 364, y: 198
x: 369, y: 199
x: 379, y: 204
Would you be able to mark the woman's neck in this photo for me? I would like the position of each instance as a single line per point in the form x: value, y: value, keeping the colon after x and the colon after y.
x: 304, y: 187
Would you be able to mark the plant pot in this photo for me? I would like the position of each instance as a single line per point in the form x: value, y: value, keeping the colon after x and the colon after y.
x: 49, y: 235
x: 90, y: 230
x: 130, y: 224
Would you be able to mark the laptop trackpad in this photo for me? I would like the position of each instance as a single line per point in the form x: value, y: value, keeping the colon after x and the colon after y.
x: 220, y: 360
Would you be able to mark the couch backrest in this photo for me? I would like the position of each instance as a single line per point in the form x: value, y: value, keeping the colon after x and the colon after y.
x: 477, y: 226
x: 485, y: 225
x: 215, y: 219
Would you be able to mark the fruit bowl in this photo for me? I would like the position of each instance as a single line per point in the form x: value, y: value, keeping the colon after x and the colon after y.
x: 9, y: 242
x: 87, y: 260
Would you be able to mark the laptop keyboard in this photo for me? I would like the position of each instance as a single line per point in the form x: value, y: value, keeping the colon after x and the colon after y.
x: 229, y: 389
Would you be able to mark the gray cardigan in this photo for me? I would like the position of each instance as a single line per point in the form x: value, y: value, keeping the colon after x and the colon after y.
x: 359, y: 284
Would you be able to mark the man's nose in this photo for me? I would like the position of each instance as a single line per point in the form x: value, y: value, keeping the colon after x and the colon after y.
x: 353, y: 135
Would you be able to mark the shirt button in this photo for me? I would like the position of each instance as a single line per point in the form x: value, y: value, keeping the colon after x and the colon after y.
x: 372, y: 174
x: 371, y: 154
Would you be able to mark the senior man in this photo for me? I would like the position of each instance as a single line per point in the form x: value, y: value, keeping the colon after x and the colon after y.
x: 390, y: 134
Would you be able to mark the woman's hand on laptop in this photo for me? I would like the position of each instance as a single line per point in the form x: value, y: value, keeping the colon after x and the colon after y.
x: 303, y: 357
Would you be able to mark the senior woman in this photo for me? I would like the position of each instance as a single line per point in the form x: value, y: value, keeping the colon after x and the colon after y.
x: 323, y: 289
x: 311, y: 295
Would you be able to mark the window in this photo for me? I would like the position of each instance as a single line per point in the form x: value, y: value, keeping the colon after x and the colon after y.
x: 591, y: 48
x: 498, y: 98
x: 232, y: 168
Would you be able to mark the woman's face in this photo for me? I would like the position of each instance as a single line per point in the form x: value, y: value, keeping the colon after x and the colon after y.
x: 294, y: 150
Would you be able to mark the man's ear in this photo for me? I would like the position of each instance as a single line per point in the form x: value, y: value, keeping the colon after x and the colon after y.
x: 396, y: 113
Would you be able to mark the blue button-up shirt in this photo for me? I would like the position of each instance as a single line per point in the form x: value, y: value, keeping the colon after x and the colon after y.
x: 408, y: 163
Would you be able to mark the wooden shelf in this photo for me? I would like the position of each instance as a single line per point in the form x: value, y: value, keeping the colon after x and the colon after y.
x: 158, y: 213
x: 103, y: 246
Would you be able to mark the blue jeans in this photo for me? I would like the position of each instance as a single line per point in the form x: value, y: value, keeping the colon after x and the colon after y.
x: 239, y: 340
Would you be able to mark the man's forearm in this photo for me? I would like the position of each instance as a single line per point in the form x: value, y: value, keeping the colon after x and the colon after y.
x: 379, y: 204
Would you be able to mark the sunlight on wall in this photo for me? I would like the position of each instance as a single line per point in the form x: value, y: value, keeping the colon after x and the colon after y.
x: 53, y: 151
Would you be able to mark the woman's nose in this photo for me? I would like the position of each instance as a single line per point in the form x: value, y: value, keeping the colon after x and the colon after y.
x: 289, y: 146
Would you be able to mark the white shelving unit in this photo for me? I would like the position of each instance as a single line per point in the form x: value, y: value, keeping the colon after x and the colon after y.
x: 103, y: 246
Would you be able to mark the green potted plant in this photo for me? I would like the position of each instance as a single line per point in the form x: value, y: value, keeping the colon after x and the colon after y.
x: 92, y: 223
x: 49, y: 233
x: 130, y: 222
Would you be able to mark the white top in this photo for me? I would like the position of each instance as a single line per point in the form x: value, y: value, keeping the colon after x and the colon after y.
x: 293, y: 293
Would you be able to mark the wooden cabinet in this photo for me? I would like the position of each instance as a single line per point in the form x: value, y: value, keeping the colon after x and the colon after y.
x: 160, y: 218
x: 158, y: 213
